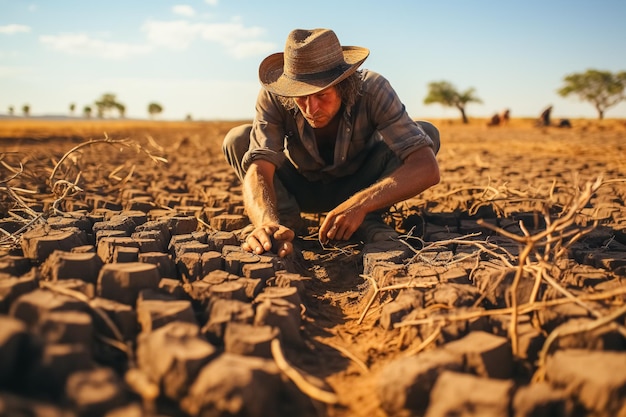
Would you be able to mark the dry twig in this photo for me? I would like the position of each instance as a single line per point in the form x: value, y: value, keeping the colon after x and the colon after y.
x: 306, y: 387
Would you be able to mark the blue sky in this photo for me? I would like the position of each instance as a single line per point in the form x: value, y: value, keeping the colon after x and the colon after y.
x: 200, y: 57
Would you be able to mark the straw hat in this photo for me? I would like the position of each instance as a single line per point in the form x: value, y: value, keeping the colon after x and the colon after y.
x: 313, y: 60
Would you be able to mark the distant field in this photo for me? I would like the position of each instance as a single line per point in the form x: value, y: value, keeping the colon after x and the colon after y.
x: 92, y: 128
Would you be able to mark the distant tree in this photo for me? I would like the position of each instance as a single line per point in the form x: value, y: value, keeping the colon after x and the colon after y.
x: 188, y: 118
x: 447, y: 95
x: 11, y: 110
x: 154, y: 109
x: 26, y: 110
x: 87, y: 112
x: 121, y: 109
x: 107, y: 103
x: 603, y: 89
x: 72, y: 109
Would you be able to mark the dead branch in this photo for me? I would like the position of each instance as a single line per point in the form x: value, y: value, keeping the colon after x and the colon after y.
x: 297, y: 378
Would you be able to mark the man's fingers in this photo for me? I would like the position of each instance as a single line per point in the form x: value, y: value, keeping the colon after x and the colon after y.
x: 340, y: 232
x: 263, y: 240
x: 285, y: 249
x: 343, y: 233
x: 252, y: 244
x: 326, y: 231
x: 284, y: 233
x: 336, y: 231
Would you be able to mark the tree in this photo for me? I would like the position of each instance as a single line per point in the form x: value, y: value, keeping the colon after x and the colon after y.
x: 154, y: 109
x: 121, y: 109
x: 107, y: 103
x: 446, y: 94
x: 603, y: 89
x: 26, y: 110
x: 72, y: 108
x: 11, y: 110
x: 87, y: 112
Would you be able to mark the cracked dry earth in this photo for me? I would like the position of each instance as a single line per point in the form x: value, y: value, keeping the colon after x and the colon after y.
x: 123, y: 290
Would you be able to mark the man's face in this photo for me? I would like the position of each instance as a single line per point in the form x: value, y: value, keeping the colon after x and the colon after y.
x: 319, y: 109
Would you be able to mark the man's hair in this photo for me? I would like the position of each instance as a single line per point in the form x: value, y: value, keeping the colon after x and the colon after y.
x: 348, y: 89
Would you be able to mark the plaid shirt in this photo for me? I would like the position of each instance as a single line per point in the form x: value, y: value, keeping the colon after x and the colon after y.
x: 378, y: 114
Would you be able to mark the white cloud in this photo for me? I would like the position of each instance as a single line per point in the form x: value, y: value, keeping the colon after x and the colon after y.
x: 239, y: 40
x: 211, y: 2
x: 184, y: 10
x: 33, y: 8
x: 254, y: 48
x: 177, y: 34
x: 81, y: 44
x: 13, y: 29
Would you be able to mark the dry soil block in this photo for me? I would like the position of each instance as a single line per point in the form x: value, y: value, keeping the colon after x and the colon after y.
x: 33, y: 306
x: 14, y: 265
x: 155, y: 313
x: 13, y: 342
x: 384, y: 251
x: 395, y: 311
x: 163, y: 262
x: 71, y: 327
x: 229, y: 222
x: 65, y: 265
x: 96, y: 391
x: 173, y: 355
x: 58, y: 361
x: 282, y: 314
x: 180, y: 225
x: 249, y: 340
x: 405, y: 384
x: 12, y: 287
x: 233, y: 385
x: 484, y: 354
x: 107, y: 247
x: 596, y: 379
x: 123, y: 316
x: 40, y: 242
x: 222, y: 313
x: 456, y: 394
x: 123, y: 281
x: 541, y: 400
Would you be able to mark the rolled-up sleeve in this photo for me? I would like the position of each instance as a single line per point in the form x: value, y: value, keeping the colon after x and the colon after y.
x: 267, y: 134
x: 401, y: 133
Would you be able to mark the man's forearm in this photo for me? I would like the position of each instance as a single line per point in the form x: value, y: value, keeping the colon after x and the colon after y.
x: 419, y: 172
x: 259, y: 197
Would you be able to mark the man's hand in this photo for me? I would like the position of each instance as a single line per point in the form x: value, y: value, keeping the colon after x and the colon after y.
x: 341, y: 222
x: 270, y: 237
x: 420, y: 167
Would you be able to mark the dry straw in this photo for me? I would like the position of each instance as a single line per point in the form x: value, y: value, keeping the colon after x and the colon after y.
x: 61, y: 189
x: 541, y: 255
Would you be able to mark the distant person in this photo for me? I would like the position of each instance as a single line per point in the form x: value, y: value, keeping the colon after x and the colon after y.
x: 565, y: 123
x: 544, y: 118
x: 327, y: 138
x: 495, y: 120
x: 505, y: 116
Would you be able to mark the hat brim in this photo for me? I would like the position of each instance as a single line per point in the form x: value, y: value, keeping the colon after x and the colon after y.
x: 273, y: 79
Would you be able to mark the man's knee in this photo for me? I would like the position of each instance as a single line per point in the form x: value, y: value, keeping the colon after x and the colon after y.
x: 433, y: 134
x: 236, y: 139
x: 235, y: 145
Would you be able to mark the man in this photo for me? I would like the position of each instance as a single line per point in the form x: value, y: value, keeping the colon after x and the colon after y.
x: 327, y: 138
